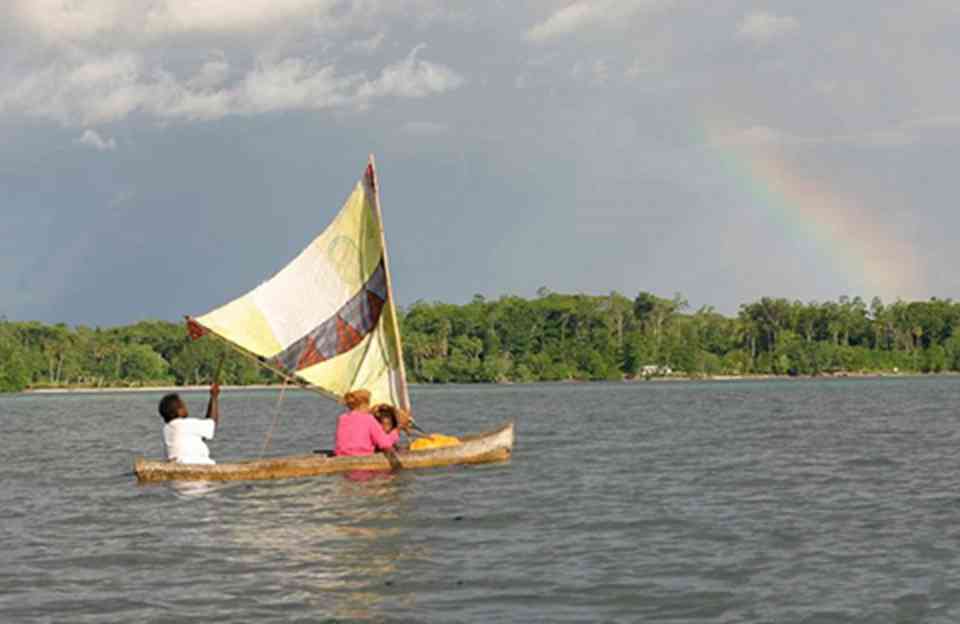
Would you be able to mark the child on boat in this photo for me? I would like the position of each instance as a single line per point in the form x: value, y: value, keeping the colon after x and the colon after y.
x: 360, y: 433
x: 183, y: 436
x: 388, y: 416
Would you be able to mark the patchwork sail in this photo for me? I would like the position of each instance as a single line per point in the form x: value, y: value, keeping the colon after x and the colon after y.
x: 328, y: 320
x: 328, y: 317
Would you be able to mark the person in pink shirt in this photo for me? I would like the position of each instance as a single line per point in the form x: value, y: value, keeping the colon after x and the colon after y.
x: 359, y: 433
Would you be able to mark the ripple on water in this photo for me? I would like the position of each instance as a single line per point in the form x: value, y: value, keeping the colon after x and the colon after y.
x: 804, y: 501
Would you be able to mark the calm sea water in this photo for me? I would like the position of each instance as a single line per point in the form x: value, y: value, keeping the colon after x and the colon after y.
x: 776, y: 501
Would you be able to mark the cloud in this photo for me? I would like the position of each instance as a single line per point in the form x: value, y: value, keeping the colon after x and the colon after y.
x: 66, y: 24
x: 175, y: 16
x: 762, y: 27
x: 212, y: 74
x: 87, y: 62
x: 92, y: 139
x: 109, y: 89
x: 412, y: 78
x: 55, y: 21
x: 584, y: 14
x: 87, y: 21
x: 78, y: 91
x: 290, y: 84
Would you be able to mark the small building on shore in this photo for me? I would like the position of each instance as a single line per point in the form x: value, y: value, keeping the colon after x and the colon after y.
x: 654, y: 370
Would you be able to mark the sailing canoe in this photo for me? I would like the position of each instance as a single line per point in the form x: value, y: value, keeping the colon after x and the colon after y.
x: 484, y: 448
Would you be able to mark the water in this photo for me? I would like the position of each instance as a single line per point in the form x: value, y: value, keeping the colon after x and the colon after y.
x: 776, y: 501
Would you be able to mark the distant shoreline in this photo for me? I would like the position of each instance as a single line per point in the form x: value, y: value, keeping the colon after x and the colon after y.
x: 662, y: 379
x: 83, y: 390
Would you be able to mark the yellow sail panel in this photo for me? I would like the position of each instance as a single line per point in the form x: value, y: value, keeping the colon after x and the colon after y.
x: 390, y: 339
x: 257, y: 336
x: 327, y: 316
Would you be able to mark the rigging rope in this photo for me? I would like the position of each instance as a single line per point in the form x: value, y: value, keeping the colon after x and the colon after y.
x: 276, y: 416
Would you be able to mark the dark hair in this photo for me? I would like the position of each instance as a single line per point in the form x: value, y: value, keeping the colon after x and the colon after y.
x: 168, y: 406
x: 383, y: 411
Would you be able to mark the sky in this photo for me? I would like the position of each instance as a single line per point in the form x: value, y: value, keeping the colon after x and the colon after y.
x: 162, y: 157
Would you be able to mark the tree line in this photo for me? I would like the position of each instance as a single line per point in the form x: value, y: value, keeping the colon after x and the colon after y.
x: 551, y: 337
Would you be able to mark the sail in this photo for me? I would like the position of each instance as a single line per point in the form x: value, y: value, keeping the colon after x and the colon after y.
x: 328, y: 317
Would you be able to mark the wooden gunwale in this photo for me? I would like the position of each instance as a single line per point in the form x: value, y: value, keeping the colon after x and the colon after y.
x: 494, y: 446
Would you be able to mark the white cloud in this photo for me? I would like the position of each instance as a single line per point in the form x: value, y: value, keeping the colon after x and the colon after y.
x: 564, y: 21
x: 108, y: 90
x: 59, y: 21
x: 762, y: 27
x: 169, y: 100
x: 79, y: 21
x: 82, y: 88
x: 412, y: 78
x: 77, y: 91
x: 211, y: 75
x: 88, y: 62
x: 92, y: 139
x: 586, y: 13
x: 175, y: 16
x: 292, y: 84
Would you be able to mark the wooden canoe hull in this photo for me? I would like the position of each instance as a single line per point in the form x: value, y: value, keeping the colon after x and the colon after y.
x: 494, y: 446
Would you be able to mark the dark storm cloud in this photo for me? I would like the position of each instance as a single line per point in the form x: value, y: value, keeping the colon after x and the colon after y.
x: 161, y: 162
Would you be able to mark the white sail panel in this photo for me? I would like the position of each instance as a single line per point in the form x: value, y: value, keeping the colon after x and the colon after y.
x: 245, y: 325
x: 325, y: 275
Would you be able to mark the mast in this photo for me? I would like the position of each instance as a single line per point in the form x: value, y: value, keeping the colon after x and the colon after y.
x: 404, y: 394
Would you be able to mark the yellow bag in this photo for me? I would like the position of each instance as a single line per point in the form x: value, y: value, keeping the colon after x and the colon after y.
x: 434, y: 440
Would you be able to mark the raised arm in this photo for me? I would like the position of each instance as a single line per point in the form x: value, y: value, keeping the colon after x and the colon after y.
x: 213, y: 407
x: 381, y: 440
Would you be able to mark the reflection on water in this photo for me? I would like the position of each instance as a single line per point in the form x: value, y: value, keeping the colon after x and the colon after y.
x: 336, y: 538
x: 190, y: 489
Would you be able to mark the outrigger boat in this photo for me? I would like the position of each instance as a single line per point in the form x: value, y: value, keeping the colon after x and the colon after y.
x: 485, y: 448
x: 327, y: 322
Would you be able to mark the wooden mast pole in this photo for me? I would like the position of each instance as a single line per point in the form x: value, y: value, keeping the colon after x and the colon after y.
x: 404, y: 394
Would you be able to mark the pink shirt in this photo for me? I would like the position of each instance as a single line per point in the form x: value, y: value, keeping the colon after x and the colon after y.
x: 359, y: 433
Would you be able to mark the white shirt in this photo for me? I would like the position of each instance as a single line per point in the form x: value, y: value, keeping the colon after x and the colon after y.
x: 184, y: 437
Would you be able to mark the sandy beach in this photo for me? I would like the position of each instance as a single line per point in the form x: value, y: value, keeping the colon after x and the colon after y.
x: 666, y: 378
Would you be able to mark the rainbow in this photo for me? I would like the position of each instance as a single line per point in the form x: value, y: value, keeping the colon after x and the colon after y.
x: 870, y: 255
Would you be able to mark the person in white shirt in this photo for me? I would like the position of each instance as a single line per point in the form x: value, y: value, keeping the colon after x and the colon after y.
x: 183, y: 436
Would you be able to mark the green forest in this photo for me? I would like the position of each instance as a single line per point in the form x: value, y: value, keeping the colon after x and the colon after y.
x: 552, y: 337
